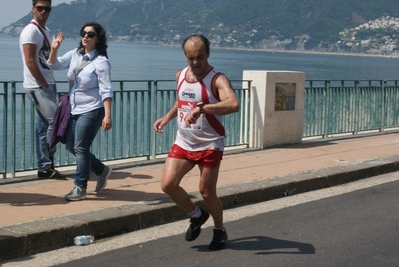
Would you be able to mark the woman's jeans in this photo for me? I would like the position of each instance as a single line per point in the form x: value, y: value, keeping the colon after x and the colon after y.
x: 82, y: 130
x: 45, y: 104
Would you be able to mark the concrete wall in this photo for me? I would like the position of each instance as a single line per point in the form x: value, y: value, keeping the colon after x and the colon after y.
x: 268, y: 126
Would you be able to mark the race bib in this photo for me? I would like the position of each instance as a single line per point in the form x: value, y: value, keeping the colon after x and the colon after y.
x: 184, y: 107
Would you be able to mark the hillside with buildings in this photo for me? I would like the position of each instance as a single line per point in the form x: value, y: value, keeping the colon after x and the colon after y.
x: 369, y: 27
x: 380, y: 36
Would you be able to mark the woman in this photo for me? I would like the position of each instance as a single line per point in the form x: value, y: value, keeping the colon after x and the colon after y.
x: 90, y: 96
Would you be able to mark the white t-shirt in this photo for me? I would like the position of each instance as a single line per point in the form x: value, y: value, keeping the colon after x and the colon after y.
x: 32, y: 35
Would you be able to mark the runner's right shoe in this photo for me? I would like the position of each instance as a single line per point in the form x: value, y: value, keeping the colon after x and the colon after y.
x: 219, y: 239
x: 194, y: 229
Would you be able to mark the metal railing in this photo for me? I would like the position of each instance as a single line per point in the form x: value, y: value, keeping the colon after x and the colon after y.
x: 136, y: 106
x: 331, y: 107
x: 334, y: 107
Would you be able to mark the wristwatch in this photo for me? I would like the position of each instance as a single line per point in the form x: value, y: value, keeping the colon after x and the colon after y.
x: 201, y: 106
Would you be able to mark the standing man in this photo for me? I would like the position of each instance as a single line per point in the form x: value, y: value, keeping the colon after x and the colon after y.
x: 39, y: 84
x: 203, y: 96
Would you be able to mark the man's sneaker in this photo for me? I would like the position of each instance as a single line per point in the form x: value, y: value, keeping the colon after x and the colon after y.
x: 219, y: 240
x: 102, y: 179
x: 194, y: 229
x: 77, y: 193
x: 50, y: 173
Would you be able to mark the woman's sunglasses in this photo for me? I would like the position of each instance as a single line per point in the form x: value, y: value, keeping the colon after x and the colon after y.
x: 89, y: 34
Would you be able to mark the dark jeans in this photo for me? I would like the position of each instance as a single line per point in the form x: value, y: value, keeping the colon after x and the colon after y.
x: 82, y: 130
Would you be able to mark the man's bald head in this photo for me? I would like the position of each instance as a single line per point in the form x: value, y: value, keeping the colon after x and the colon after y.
x: 197, y: 41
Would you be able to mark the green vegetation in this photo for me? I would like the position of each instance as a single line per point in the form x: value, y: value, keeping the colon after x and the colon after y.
x: 233, y: 23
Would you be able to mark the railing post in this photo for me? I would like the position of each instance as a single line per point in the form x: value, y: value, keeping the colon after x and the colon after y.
x: 32, y: 134
x: 120, y: 130
x: 308, y: 117
x: 128, y: 122
x: 305, y: 128
x: 23, y: 132
x: 247, y: 114
x: 13, y: 129
x: 5, y: 123
x: 326, y: 108
x: 383, y: 85
x: 357, y: 108
x: 153, y: 116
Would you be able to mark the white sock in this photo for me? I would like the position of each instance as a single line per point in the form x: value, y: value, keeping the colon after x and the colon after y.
x: 196, y: 213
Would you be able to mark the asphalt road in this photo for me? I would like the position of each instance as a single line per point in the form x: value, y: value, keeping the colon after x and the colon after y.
x: 355, y: 224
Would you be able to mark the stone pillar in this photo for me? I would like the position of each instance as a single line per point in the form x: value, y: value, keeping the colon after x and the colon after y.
x: 277, y: 104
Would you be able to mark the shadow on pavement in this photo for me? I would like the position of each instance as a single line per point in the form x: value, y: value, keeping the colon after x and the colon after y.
x: 29, y: 199
x: 119, y: 175
x: 268, y: 245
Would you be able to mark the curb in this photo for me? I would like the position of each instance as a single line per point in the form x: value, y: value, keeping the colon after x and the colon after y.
x: 43, y: 235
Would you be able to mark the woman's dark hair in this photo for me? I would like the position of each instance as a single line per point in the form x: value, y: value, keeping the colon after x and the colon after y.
x: 203, y: 39
x: 101, y: 45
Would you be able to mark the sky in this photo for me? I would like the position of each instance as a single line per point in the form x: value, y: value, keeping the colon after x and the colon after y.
x: 17, y: 9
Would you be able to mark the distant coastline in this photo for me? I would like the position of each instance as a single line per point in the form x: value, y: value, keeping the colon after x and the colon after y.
x: 308, y: 52
x: 291, y: 51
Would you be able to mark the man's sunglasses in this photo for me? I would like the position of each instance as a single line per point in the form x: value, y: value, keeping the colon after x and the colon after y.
x: 89, y: 34
x: 45, y: 8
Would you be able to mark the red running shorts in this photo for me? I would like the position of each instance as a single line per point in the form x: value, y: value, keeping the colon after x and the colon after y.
x: 206, y: 158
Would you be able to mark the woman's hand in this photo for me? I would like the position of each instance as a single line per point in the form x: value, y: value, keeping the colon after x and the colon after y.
x: 57, y: 41
x: 106, y: 124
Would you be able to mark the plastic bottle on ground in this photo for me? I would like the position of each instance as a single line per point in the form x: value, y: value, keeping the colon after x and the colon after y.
x: 83, y: 240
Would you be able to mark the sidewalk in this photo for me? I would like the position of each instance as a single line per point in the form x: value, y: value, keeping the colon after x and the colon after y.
x: 35, y: 217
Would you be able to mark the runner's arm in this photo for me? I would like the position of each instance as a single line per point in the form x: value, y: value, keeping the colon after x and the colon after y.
x: 228, y: 103
x: 160, y: 123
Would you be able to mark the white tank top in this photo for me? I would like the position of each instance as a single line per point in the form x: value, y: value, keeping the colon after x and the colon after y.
x: 208, y: 132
